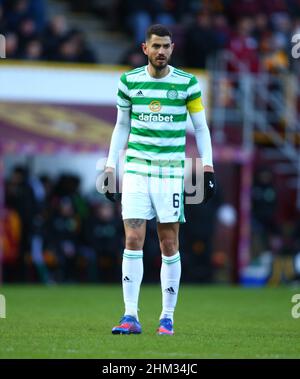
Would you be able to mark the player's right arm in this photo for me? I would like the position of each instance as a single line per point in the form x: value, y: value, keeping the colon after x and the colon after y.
x: 122, y: 128
x: 119, y: 136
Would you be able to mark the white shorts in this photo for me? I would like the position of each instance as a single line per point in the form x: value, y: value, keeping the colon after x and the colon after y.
x: 146, y: 197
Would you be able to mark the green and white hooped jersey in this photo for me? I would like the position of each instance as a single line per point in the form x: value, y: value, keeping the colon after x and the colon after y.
x: 159, y: 107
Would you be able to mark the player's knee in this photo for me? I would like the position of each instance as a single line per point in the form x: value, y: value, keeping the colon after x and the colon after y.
x: 134, y: 242
x: 168, y: 246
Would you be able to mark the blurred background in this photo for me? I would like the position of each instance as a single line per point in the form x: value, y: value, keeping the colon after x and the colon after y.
x: 58, y: 84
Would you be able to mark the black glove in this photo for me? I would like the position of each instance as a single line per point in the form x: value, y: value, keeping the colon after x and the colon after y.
x: 209, y: 186
x: 108, y: 186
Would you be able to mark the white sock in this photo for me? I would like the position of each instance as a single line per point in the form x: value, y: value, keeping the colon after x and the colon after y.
x: 132, y: 275
x: 169, y: 276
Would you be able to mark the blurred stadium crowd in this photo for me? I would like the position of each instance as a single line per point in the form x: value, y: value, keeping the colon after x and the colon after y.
x: 31, y: 35
x: 54, y: 234
x: 255, y: 32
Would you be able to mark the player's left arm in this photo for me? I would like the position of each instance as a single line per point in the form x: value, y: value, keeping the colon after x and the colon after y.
x: 203, y: 139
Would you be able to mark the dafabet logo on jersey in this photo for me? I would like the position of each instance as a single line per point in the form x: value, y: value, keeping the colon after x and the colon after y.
x: 158, y: 117
x: 155, y: 106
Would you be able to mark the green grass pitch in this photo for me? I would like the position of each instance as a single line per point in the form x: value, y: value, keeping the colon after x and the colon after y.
x: 210, y: 322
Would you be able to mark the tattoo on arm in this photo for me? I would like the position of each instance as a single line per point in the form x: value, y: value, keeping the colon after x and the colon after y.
x: 134, y: 223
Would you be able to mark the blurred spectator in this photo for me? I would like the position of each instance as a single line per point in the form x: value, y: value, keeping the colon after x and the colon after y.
x: 276, y: 6
x: 73, y: 48
x: 196, y: 238
x: 134, y: 57
x: 38, y: 10
x: 21, y: 198
x: 264, y: 207
x: 102, y: 233
x: 55, y: 31
x: 201, y: 41
x: 178, y: 37
x: 15, y: 12
x: 243, y: 8
x: 2, y: 21
x: 243, y: 48
x: 27, y: 31
x: 67, y: 51
x: 224, y: 245
x: 283, y: 259
x: 264, y: 198
x: 33, y: 50
x: 222, y: 31
x: 282, y: 26
x: 10, y: 241
x: 63, y: 240
x: 12, y: 45
x: 262, y: 27
x: 80, y: 204
x: 274, y: 59
x: 84, y: 53
x: 140, y: 14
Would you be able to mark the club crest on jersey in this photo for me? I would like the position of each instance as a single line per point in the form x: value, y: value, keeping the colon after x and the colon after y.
x: 172, y: 94
x: 155, y: 106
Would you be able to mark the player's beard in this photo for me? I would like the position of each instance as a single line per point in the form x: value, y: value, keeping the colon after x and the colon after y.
x: 159, y: 65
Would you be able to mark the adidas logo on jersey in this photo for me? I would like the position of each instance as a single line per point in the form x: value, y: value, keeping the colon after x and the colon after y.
x: 126, y: 279
x: 170, y: 290
x: 156, y: 117
x: 140, y: 93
